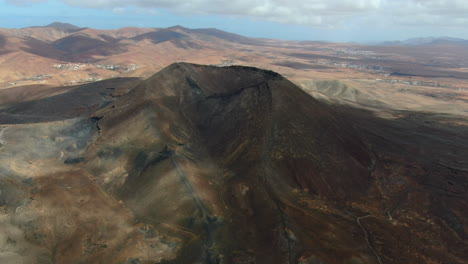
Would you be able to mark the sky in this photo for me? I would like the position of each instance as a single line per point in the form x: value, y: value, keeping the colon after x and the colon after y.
x: 329, y: 20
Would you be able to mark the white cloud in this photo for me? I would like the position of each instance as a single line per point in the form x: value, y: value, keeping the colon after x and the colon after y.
x: 439, y: 13
x: 306, y: 12
x: 137, y: 11
x: 119, y: 10
x: 24, y: 2
x: 323, y: 13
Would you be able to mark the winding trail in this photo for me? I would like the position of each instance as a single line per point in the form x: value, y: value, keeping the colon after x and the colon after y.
x: 208, y: 222
x: 366, y: 235
x: 189, y: 187
x: 2, y: 131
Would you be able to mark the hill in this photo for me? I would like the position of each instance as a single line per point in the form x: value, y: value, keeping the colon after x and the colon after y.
x: 62, y: 25
x: 59, y: 25
x: 227, y: 165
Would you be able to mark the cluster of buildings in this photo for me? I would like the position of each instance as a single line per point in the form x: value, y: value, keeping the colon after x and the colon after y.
x: 415, y: 82
x: 70, y: 66
x: 78, y: 66
x: 111, y: 67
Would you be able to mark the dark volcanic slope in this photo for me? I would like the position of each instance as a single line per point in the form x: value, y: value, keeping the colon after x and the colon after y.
x: 239, y: 141
x: 203, y: 164
x: 261, y: 171
x: 80, y: 100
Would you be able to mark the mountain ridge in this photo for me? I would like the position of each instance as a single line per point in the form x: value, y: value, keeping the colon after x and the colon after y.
x: 425, y: 41
x: 409, y: 41
x: 59, y: 25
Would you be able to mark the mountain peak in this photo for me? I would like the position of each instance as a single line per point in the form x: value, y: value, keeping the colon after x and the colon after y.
x: 62, y: 25
x: 177, y: 27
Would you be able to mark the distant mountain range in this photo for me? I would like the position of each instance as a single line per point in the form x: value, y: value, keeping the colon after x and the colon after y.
x: 59, y: 25
x: 63, y: 54
x: 236, y: 38
x: 425, y: 41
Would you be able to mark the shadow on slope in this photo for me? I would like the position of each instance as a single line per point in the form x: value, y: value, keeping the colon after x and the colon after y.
x: 82, y: 46
x: 43, y: 49
x: 81, y: 100
x: 2, y: 41
x: 160, y: 36
x: 179, y: 40
x: 213, y: 32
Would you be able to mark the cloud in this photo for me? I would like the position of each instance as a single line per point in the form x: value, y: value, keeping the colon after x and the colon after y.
x: 119, y: 10
x: 326, y: 13
x: 24, y: 2
x: 436, y: 13
x: 318, y: 13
